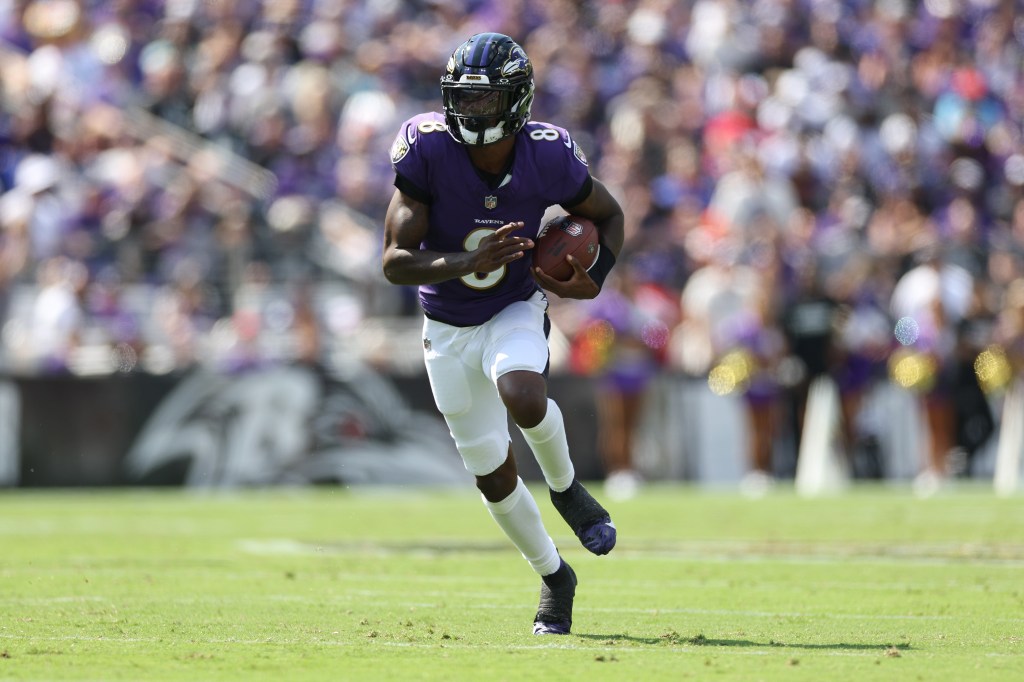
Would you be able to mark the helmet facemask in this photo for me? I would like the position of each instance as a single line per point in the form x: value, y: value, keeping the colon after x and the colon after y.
x: 483, y: 115
x: 490, y: 100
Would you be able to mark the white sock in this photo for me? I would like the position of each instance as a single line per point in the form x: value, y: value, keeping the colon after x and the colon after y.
x: 550, y: 447
x: 519, y: 517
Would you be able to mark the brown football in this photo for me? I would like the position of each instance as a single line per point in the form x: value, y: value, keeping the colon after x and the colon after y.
x: 562, y: 236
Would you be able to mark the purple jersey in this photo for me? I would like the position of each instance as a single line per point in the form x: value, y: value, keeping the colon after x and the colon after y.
x: 549, y: 168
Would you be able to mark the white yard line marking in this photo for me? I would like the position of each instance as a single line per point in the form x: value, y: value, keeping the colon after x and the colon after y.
x: 351, y: 595
x: 651, y: 648
x: 937, y: 554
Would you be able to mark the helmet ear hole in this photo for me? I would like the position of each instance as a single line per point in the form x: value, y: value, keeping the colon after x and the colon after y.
x: 487, y: 89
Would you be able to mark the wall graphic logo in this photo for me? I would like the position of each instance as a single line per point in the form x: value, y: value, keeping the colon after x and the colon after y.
x: 291, y: 425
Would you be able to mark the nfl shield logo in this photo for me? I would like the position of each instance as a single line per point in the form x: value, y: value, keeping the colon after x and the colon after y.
x: 490, y: 202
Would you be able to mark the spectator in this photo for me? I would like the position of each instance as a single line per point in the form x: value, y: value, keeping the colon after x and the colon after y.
x: 930, y: 301
x: 57, y: 319
x: 623, y: 342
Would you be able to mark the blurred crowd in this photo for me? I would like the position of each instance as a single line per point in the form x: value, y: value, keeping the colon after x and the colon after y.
x: 812, y: 187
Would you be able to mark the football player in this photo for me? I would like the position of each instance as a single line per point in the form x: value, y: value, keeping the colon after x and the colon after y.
x: 472, y: 185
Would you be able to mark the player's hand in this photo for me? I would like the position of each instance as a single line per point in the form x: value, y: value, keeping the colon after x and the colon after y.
x: 500, y: 248
x: 578, y: 286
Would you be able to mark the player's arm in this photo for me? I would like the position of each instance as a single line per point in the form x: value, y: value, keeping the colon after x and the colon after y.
x: 601, y: 208
x: 404, y: 262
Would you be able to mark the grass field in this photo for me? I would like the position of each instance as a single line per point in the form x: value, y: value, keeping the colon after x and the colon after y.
x: 338, y: 584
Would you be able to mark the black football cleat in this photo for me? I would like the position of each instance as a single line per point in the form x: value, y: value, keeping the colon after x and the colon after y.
x: 587, y: 518
x: 557, y: 591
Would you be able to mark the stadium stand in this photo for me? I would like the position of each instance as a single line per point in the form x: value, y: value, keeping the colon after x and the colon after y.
x: 190, y: 183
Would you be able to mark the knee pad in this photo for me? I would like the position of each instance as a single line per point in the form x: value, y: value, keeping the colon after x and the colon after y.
x: 483, y: 455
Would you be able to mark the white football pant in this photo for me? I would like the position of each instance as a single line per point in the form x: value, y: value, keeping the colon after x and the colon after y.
x: 463, y: 365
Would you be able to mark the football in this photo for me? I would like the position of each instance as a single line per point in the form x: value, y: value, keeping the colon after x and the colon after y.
x: 562, y: 236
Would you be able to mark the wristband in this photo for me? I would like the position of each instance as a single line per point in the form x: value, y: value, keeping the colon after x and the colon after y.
x: 602, y: 266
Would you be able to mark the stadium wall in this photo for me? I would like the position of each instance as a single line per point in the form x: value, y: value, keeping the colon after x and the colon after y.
x: 301, y: 425
x: 281, y: 425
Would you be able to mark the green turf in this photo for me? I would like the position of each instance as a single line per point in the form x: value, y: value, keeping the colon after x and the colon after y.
x: 336, y: 584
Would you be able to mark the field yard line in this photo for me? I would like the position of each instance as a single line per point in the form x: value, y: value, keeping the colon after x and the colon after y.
x: 660, y: 647
x: 163, y: 640
x: 926, y: 554
x: 320, y: 600
x: 639, y: 586
x: 823, y: 559
x: 683, y: 648
x: 797, y: 614
x: 758, y: 614
x: 650, y: 648
x: 50, y: 600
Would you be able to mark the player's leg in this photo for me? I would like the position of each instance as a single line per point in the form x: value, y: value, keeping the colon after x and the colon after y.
x: 478, y: 423
x: 516, y: 359
x: 518, y: 515
x: 539, y: 419
x: 515, y: 511
x: 619, y: 409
